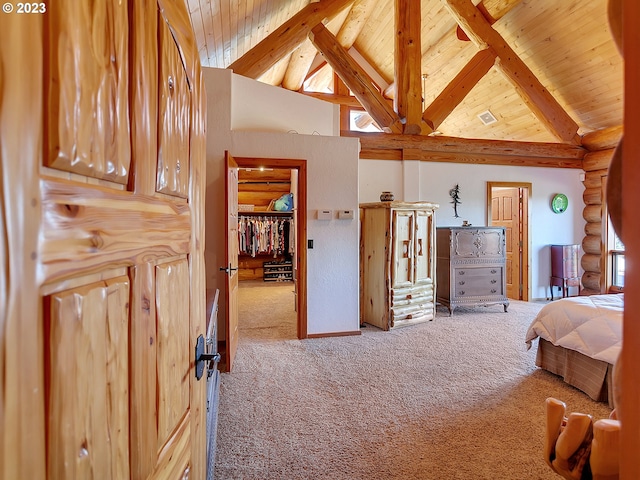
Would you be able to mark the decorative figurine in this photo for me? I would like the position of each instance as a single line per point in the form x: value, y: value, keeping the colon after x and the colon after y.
x: 454, y: 193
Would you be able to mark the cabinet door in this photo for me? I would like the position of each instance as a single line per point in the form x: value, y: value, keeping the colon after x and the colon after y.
x: 423, y: 242
x: 403, y: 226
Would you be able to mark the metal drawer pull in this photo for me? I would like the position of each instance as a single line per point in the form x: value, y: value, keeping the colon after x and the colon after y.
x: 461, y: 272
x: 493, y: 290
x: 494, y: 271
x: 494, y: 280
x: 461, y: 292
x: 461, y: 282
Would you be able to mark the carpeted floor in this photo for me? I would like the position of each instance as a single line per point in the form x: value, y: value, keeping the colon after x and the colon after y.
x: 455, y: 398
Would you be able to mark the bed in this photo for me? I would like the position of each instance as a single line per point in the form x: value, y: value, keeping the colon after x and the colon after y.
x: 579, y: 339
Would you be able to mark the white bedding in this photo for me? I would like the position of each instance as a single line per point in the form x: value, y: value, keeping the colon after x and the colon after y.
x: 591, y: 325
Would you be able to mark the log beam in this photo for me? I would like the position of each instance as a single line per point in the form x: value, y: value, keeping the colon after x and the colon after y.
x: 354, y: 76
x: 602, y: 139
x: 461, y: 85
x: 545, y: 154
x: 533, y: 93
x: 286, y: 38
x: 407, y: 64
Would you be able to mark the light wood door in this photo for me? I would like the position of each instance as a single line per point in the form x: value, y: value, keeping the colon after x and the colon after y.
x: 403, y: 234
x: 231, y: 265
x: 102, y: 286
x: 508, y: 207
x: 422, y: 247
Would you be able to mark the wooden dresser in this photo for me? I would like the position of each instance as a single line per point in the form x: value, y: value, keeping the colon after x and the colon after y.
x: 397, y: 263
x: 564, y: 268
x: 471, y: 266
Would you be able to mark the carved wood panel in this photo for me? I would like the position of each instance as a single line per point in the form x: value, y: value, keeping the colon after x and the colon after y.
x: 87, y: 89
x: 174, y: 353
x: 86, y: 337
x: 173, y: 119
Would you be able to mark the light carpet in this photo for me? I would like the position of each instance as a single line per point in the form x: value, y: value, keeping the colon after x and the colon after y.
x: 456, y: 398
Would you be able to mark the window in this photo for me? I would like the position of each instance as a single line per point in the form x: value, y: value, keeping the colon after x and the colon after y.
x: 617, y: 262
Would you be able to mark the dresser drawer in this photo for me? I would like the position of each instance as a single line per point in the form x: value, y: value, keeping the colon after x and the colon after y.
x: 479, y: 281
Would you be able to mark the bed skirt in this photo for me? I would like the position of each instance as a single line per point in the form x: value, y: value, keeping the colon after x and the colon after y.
x: 593, y: 377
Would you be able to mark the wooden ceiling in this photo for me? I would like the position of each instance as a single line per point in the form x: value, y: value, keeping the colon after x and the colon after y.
x: 548, y: 70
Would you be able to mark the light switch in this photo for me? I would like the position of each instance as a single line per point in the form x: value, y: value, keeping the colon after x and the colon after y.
x: 325, y: 214
x: 345, y: 214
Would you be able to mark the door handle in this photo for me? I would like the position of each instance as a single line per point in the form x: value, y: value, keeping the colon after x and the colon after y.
x: 202, y: 357
x: 228, y: 269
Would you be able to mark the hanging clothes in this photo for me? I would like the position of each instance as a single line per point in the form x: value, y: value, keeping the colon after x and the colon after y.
x: 265, y: 235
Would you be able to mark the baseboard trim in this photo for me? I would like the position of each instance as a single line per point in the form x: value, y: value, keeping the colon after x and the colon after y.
x: 334, y: 334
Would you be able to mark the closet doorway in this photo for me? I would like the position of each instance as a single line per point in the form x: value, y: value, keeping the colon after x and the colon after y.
x: 272, y: 298
x: 508, y: 206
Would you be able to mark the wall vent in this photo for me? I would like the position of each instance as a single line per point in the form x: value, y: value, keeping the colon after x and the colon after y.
x: 487, y: 117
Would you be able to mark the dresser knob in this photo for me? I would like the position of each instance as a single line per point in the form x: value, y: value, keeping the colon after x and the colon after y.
x: 461, y: 272
x: 494, y: 271
x: 493, y: 281
x: 461, y: 292
x: 409, y: 297
x: 493, y: 290
x: 461, y: 282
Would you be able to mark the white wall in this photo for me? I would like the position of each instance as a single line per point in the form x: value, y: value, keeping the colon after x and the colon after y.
x: 332, y: 173
x: 260, y: 107
x: 436, y: 179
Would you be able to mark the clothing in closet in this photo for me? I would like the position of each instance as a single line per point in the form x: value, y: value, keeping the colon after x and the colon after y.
x: 265, y: 235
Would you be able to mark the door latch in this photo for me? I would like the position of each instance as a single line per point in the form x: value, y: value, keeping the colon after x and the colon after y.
x: 202, y: 357
x: 228, y: 269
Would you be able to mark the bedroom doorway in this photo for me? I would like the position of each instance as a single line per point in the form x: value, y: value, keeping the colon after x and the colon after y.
x: 508, y: 206
x: 273, y: 287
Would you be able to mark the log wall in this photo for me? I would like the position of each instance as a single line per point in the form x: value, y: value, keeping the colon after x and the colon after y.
x: 601, y: 146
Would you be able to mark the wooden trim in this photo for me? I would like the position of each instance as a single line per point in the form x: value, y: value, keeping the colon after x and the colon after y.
x: 346, y: 100
x: 301, y: 226
x: 334, y: 334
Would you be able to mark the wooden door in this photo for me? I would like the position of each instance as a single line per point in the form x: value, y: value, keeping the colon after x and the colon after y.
x: 508, y: 207
x: 403, y: 226
x: 423, y: 241
x: 102, y: 133
x: 231, y: 264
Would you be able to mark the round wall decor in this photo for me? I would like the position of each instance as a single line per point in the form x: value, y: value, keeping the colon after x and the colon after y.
x: 559, y: 203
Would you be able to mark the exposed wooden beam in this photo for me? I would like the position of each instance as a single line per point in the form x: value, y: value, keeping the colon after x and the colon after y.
x: 407, y: 66
x: 341, y: 89
x: 460, y: 150
x: 286, y: 38
x: 356, y: 79
x: 459, y: 87
x: 495, y: 8
x: 346, y: 100
x: 534, y: 94
x: 302, y: 57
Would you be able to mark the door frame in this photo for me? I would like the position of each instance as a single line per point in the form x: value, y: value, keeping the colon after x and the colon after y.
x: 525, y: 189
x: 301, y: 227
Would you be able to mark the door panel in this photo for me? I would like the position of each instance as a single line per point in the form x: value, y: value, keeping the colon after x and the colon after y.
x: 88, y: 400
x: 231, y: 227
x: 88, y: 123
x: 402, y: 274
x: 103, y: 277
x: 423, y: 229
x: 174, y: 354
x: 174, y: 113
x: 505, y: 213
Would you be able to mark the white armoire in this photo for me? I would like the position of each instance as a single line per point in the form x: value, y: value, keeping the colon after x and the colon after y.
x: 397, y: 263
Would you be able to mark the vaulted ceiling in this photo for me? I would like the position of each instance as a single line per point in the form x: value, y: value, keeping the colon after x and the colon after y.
x: 547, y: 70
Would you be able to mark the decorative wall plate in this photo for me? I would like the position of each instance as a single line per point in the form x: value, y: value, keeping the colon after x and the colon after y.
x: 559, y: 203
